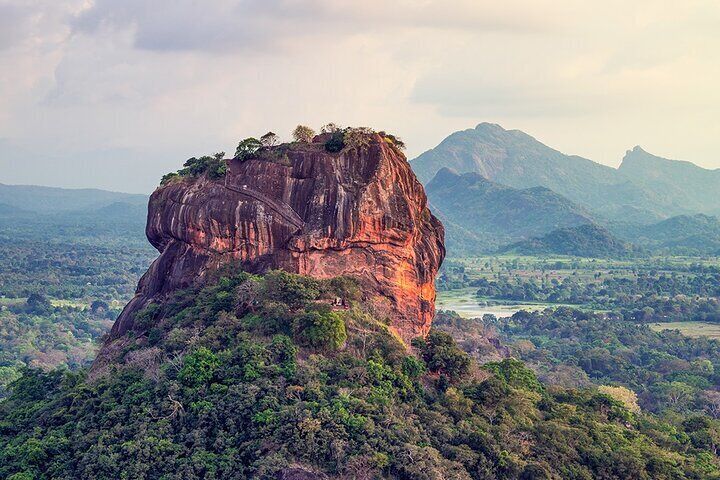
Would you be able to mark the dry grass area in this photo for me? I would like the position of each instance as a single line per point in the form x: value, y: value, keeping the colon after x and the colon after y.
x: 690, y: 329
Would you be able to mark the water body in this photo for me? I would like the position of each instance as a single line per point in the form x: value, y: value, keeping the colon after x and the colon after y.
x: 465, y: 304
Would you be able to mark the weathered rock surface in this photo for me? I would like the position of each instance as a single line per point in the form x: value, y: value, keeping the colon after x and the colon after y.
x: 298, y: 208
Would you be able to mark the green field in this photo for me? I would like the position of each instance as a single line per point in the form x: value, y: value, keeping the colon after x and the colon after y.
x: 11, y: 301
x: 69, y: 303
x: 690, y: 329
x: 55, y: 302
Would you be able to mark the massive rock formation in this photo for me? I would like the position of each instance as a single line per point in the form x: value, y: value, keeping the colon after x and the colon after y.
x: 296, y: 207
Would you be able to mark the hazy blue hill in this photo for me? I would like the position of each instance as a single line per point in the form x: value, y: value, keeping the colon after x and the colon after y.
x: 698, y: 234
x: 123, y: 210
x: 504, y: 156
x: 6, y: 209
x: 31, y: 213
x: 583, y: 241
x: 695, y: 245
x: 683, y: 183
x: 481, y: 215
x: 54, y: 200
x: 516, y: 159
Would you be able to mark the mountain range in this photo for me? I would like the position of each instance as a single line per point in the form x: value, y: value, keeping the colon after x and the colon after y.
x: 681, y: 234
x: 502, y: 189
x: 30, y: 212
x: 494, y: 190
x: 480, y: 215
x: 681, y: 183
x: 644, y: 189
x: 50, y: 200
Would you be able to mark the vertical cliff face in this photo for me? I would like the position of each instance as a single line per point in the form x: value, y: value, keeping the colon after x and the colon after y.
x: 358, y: 212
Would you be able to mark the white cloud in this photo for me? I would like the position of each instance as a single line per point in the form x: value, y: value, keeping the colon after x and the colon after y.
x: 113, y: 94
x: 227, y: 25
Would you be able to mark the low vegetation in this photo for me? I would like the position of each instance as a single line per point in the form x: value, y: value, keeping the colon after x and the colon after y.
x: 303, y: 134
x: 36, y: 333
x: 248, y: 147
x: 356, y: 138
x: 667, y: 370
x: 214, y: 166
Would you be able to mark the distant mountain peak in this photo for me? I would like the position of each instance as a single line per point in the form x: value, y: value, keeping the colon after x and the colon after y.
x: 638, y: 153
x: 489, y: 126
x: 447, y: 172
x: 646, y: 188
x: 498, y: 131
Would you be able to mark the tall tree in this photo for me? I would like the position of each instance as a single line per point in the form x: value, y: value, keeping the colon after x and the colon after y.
x: 303, y: 133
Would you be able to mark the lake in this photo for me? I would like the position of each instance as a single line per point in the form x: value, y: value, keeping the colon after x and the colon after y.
x: 465, y: 304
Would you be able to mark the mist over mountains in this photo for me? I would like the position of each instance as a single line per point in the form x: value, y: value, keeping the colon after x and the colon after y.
x: 53, y: 199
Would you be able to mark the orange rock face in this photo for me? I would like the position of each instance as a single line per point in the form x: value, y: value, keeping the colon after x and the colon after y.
x: 303, y: 210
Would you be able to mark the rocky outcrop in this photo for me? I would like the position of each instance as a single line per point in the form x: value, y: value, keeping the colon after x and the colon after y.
x: 296, y: 207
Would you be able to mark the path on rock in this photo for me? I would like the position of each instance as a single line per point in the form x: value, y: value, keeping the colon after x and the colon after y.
x: 283, y: 209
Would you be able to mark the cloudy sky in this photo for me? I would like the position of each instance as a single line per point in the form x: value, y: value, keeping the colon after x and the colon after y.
x: 113, y: 94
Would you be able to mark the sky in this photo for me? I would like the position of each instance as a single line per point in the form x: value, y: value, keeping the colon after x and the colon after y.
x: 112, y: 94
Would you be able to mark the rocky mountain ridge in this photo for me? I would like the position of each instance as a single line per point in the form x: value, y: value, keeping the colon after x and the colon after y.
x: 697, y: 189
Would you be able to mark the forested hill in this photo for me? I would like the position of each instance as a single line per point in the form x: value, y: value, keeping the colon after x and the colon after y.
x: 481, y: 215
x: 220, y: 371
x: 258, y: 377
x: 582, y: 241
x: 685, y: 234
